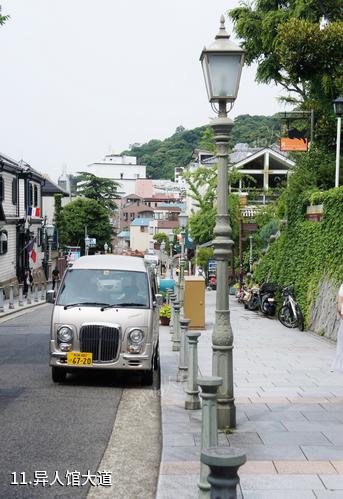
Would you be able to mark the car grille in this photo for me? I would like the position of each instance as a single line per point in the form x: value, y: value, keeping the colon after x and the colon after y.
x: 102, y: 341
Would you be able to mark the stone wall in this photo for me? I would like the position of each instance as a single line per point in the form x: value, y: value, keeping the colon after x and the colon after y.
x: 323, y: 315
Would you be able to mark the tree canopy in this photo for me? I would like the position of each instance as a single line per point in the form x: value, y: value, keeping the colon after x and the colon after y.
x: 162, y: 156
x: 103, y: 190
x: 297, y: 44
x: 86, y: 212
x: 3, y: 19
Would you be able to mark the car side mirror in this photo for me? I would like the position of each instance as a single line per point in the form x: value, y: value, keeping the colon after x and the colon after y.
x: 50, y: 296
x: 159, y: 300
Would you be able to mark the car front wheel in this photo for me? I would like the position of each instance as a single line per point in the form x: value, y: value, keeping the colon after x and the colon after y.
x: 58, y: 375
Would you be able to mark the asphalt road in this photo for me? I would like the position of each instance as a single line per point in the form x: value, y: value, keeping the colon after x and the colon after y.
x: 47, y: 427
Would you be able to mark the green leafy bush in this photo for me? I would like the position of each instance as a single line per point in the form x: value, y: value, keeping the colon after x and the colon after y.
x: 307, y: 251
x: 165, y: 311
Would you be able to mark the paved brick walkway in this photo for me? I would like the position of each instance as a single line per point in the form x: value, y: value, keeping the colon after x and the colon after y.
x: 289, y: 412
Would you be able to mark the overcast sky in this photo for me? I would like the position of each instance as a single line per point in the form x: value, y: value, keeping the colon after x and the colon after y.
x: 80, y: 78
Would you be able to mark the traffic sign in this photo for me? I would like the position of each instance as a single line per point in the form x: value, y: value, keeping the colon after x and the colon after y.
x: 90, y: 241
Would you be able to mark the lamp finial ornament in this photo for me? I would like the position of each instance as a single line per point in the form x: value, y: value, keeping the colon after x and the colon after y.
x: 222, y: 33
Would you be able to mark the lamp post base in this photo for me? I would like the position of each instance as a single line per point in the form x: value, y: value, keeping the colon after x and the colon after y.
x: 223, y: 367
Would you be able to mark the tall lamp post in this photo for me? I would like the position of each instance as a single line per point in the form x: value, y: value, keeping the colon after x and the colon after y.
x: 162, y: 248
x: 183, y: 219
x: 222, y: 65
x: 250, y: 254
x: 49, y: 230
x: 171, y: 239
x: 338, y: 107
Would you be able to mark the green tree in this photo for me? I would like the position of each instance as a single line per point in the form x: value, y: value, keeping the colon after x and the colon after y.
x: 59, y: 220
x: 162, y: 237
x: 3, y: 19
x: 201, y: 225
x: 207, y: 140
x: 86, y: 212
x: 293, y: 50
x: 203, y: 256
x: 103, y: 190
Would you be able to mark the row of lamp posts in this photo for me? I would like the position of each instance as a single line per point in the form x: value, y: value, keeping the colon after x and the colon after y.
x: 222, y: 65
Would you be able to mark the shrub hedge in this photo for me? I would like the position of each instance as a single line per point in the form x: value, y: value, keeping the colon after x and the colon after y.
x: 306, y: 251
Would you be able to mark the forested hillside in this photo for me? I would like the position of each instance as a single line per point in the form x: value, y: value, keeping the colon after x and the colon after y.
x: 162, y: 156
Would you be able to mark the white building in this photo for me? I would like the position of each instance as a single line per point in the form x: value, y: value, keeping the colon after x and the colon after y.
x: 122, y: 169
x: 49, y: 190
x: 263, y: 170
x: 20, y: 220
x: 140, y: 234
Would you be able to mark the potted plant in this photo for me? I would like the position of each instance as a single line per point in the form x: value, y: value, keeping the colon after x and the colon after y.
x: 165, y: 313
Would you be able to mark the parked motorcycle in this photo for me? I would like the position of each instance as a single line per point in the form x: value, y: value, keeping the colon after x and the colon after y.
x: 290, y: 314
x: 253, y: 300
x: 267, y: 298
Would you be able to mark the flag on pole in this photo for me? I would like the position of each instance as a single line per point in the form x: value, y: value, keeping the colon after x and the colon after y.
x: 33, y: 212
x: 30, y: 248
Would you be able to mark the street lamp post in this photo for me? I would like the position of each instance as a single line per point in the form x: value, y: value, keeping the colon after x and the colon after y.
x: 338, y: 107
x: 50, y: 229
x: 171, y: 239
x: 162, y: 248
x: 222, y: 65
x: 250, y: 255
x: 183, y: 219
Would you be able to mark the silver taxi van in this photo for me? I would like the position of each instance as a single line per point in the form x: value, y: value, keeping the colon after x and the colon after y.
x: 105, y: 316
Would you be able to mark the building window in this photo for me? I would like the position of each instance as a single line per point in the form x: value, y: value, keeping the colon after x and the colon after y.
x: 3, y: 242
x: 35, y: 195
x: 39, y: 236
x: 14, y: 191
x: 2, y: 189
x: 30, y: 194
x: 143, y: 229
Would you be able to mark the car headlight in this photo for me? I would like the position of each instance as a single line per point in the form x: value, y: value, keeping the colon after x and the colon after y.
x: 136, y: 336
x: 65, y: 334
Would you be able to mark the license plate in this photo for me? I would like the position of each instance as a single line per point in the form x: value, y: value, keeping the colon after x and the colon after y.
x: 80, y: 358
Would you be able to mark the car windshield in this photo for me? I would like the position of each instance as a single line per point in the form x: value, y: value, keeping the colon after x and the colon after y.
x: 99, y: 287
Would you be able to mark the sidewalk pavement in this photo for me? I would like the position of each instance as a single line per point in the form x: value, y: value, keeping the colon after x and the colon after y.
x: 9, y: 311
x: 289, y: 412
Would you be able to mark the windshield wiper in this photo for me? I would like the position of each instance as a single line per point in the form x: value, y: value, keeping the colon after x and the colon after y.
x: 85, y: 303
x: 126, y: 304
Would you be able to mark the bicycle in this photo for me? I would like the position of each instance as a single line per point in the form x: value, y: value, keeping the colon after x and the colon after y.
x: 290, y: 314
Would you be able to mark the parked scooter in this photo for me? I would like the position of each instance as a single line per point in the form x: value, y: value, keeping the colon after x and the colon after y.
x: 267, y: 298
x: 253, y: 300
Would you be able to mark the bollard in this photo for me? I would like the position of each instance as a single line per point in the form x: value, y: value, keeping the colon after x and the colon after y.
x: 209, y: 433
x: 224, y: 463
x: 192, y: 401
x: 28, y: 300
x: 182, y: 370
x: 20, y: 298
x: 169, y: 292
x: 11, y: 297
x: 176, y: 335
x: 2, y: 300
x: 35, y: 287
x: 177, y: 290
x: 42, y: 289
x: 172, y: 314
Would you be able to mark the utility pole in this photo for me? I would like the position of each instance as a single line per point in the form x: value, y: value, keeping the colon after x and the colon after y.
x: 86, y: 241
